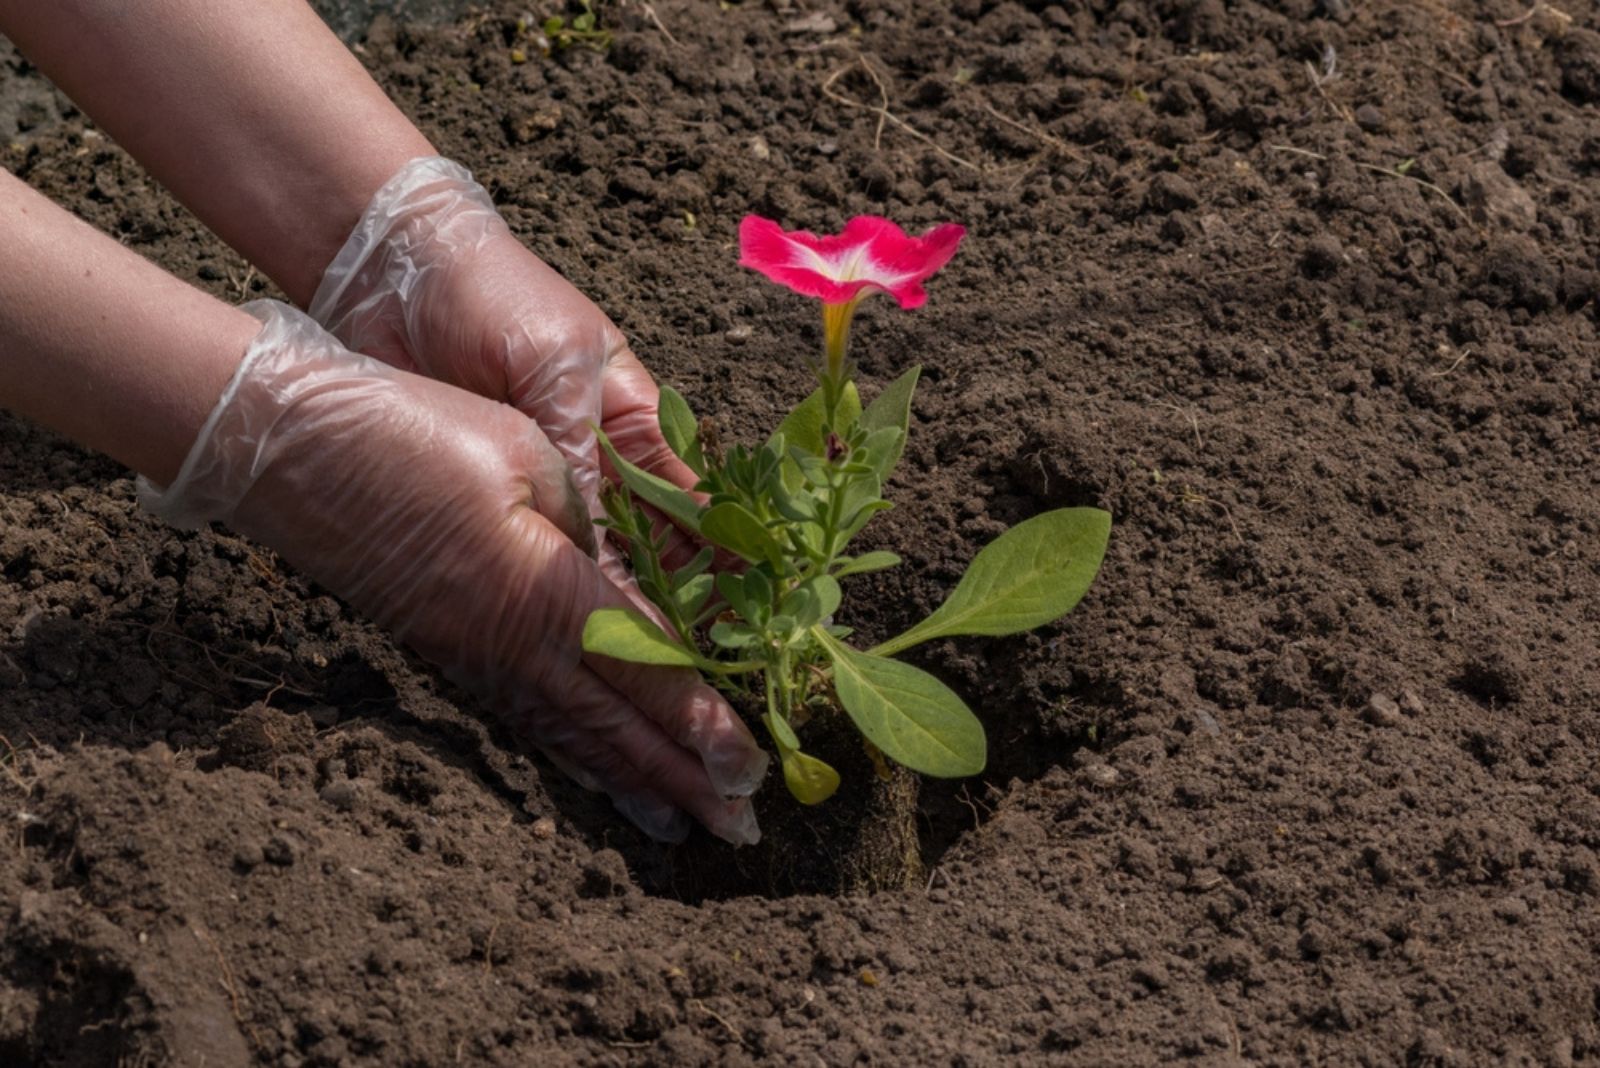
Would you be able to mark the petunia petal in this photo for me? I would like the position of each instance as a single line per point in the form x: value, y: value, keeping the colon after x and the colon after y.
x: 871, y: 253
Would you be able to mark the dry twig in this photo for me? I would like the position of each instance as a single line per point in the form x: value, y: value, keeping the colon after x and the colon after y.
x: 883, y: 112
x: 1386, y: 171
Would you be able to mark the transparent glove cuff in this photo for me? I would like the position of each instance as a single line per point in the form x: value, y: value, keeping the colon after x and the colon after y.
x: 380, y: 256
x: 289, y: 359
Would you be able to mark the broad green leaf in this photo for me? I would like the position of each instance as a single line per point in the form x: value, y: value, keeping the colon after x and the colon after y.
x: 810, y: 780
x: 906, y: 712
x: 624, y: 634
x: 892, y: 407
x: 673, y: 502
x: 680, y: 429
x: 733, y: 527
x: 802, y: 428
x: 1032, y: 574
x: 860, y: 565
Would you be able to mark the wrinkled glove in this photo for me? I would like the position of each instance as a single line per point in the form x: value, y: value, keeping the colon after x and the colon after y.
x: 452, y: 520
x: 433, y: 280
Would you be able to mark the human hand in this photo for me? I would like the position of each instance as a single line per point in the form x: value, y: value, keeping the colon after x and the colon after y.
x: 453, y: 521
x: 433, y: 280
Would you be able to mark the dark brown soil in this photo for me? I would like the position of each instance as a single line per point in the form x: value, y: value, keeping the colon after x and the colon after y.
x: 1303, y: 292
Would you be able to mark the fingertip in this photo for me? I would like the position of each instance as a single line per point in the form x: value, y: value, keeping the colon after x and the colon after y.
x: 736, y: 824
x: 734, y: 761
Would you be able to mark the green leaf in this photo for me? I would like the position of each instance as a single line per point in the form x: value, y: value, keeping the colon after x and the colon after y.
x: 860, y: 565
x: 553, y: 25
x: 914, y: 718
x: 810, y: 780
x: 733, y: 635
x: 1033, y: 573
x: 881, y: 449
x: 802, y: 429
x: 826, y: 588
x: 674, y: 503
x: 692, y: 596
x: 892, y: 408
x: 680, y: 429
x: 735, y: 528
x: 583, y: 23
x: 624, y: 634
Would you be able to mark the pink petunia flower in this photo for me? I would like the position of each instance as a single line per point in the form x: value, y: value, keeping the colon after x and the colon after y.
x: 871, y: 255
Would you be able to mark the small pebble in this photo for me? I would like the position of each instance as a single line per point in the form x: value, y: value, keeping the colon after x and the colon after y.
x: 1101, y: 775
x: 248, y: 856
x: 760, y: 149
x: 1369, y: 118
x: 1381, y: 711
x: 738, y: 335
x: 544, y: 828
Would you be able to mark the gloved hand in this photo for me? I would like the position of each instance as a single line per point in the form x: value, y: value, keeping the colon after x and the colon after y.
x: 433, y: 280
x: 452, y: 520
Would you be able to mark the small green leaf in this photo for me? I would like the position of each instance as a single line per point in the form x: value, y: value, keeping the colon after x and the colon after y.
x: 624, y: 634
x: 674, y: 503
x: 802, y: 604
x: 680, y: 429
x: 692, y: 596
x: 733, y: 527
x: 860, y: 565
x: 758, y: 595
x: 802, y: 429
x: 810, y: 780
x: 583, y: 23
x: 696, y: 567
x: 828, y: 594
x: 732, y: 635
x: 892, y: 408
x: 1032, y: 574
x: 553, y: 25
x: 732, y: 589
x: 910, y: 715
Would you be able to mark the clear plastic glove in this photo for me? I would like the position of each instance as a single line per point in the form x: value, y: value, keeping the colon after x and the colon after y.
x: 452, y: 520
x: 433, y: 280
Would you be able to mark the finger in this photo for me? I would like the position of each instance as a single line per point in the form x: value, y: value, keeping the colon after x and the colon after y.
x: 695, y: 717
x: 629, y: 414
x: 646, y: 773
x: 587, y: 757
x: 681, y: 778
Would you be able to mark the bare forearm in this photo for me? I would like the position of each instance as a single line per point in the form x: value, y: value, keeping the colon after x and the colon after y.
x: 250, y: 111
x: 103, y: 346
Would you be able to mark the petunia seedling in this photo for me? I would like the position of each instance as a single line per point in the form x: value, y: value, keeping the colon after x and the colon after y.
x: 789, y: 507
